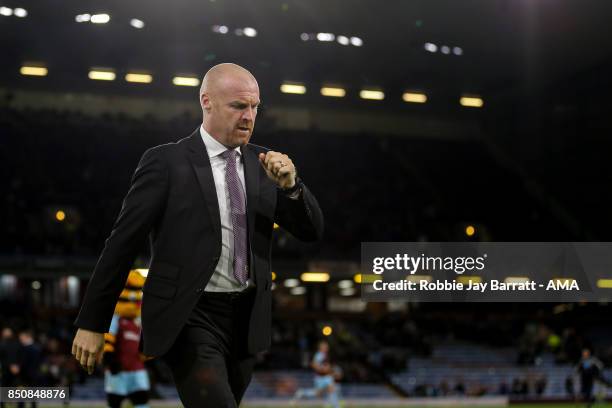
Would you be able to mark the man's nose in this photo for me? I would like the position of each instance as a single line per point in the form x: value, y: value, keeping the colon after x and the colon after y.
x: 247, y: 114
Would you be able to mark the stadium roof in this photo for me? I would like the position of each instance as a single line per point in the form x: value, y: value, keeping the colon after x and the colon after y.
x: 502, y: 43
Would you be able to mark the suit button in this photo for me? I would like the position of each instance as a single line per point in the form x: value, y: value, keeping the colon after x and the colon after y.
x: 198, y: 290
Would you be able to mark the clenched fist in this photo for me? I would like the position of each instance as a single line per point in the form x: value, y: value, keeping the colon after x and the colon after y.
x: 279, y: 168
x: 87, y: 348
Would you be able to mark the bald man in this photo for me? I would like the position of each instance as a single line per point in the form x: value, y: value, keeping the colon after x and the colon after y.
x: 208, y: 204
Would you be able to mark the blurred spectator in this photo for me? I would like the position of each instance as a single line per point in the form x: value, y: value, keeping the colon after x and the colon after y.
x: 59, y: 368
x: 459, y: 387
x: 444, y: 388
x: 569, y: 386
x: 30, y: 361
x: 503, y: 389
x: 590, y: 370
x: 540, y: 385
x: 520, y: 387
x: 9, y: 359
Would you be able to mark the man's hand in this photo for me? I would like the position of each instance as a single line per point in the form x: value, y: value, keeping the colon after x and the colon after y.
x: 86, y: 347
x: 279, y: 168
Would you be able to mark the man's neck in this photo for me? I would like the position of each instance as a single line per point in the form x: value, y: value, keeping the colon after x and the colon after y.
x: 214, y: 137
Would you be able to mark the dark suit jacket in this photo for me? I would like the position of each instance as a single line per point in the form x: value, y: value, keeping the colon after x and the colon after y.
x: 173, y: 200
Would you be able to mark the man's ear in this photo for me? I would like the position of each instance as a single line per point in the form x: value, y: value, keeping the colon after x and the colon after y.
x: 205, y: 102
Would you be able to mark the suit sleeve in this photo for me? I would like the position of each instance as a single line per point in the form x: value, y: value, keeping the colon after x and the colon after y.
x: 143, y: 204
x: 302, y: 217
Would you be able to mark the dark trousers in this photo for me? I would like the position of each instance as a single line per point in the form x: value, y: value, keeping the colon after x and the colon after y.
x: 209, y: 360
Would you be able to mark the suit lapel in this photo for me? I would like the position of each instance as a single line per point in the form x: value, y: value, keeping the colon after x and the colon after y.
x: 251, y: 178
x: 203, y: 170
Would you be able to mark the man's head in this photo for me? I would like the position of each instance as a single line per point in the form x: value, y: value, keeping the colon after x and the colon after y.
x: 7, y: 333
x: 229, y: 97
x: 323, y: 346
x: 586, y: 353
x: 26, y: 337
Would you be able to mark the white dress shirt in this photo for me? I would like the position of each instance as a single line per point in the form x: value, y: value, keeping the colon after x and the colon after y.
x: 222, y: 279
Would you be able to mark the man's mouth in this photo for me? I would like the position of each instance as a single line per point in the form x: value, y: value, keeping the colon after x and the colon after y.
x: 244, y: 128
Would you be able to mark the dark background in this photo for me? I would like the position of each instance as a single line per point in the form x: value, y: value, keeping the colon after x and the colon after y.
x: 531, y: 165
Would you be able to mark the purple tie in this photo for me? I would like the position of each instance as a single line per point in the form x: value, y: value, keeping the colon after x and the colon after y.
x: 239, y: 218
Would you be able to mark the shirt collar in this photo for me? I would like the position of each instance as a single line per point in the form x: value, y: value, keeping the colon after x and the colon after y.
x: 213, y: 146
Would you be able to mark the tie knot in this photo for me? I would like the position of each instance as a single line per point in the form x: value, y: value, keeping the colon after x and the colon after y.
x: 229, y: 155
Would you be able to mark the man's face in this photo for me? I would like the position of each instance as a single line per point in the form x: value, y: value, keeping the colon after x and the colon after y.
x: 231, y: 109
x: 7, y: 333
